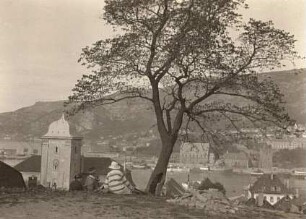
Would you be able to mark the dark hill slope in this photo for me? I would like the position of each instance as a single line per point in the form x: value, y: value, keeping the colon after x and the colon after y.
x: 131, y: 117
x: 293, y: 86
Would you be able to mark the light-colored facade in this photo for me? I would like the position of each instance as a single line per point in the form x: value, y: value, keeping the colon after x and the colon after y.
x: 268, y: 187
x: 60, y: 156
x: 287, y: 143
x: 195, y: 154
x: 236, y: 160
x: 271, y: 198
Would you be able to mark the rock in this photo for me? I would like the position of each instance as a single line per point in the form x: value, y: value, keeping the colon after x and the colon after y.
x: 232, y: 211
x: 200, y: 205
x: 211, y: 201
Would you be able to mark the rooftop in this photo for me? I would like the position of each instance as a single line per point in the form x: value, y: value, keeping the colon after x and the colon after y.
x: 269, y: 184
x: 59, y: 129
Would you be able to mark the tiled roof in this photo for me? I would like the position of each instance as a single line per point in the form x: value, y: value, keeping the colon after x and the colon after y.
x: 269, y: 184
x: 32, y: 164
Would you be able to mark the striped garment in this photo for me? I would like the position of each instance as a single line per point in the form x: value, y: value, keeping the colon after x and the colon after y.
x: 116, y: 183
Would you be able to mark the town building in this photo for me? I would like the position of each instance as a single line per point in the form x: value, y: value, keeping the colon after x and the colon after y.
x: 60, y: 156
x: 196, y: 154
x: 30, y: 168
x: 269, y: 188
x: 287, y: 143
x: 236, y: 160
x: 265, y: 157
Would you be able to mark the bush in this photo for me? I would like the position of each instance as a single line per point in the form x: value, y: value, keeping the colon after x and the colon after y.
x: 207, y: 184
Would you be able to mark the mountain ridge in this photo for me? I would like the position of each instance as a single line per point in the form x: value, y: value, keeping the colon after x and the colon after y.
x: 129, y: 118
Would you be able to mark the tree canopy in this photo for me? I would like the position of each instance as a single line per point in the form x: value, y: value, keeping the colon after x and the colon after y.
x: 190, y: 59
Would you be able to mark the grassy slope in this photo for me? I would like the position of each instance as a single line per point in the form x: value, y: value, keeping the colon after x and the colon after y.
x: 46, y: 204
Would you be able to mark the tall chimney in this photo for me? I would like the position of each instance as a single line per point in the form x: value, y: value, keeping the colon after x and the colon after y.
x: 297, y: 193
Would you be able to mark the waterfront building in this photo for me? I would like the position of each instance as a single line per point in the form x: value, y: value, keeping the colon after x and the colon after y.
x: 270, y: 188
x: 196, y: 154
x: 60, y: 156
x: 287, y: 143
x: 236, y: 160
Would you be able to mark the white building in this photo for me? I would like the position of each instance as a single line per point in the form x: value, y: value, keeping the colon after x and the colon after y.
x: 270, y: 188
x: 61, y: 156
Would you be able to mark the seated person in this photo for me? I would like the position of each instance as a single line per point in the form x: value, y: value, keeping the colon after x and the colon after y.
x: 76, y: 185
x: 116, y: 181
x: 91, y: 182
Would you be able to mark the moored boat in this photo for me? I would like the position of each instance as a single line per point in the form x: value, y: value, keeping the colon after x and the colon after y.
x: 299, y: 174
x: 257, y: 173
x: 177, y: 169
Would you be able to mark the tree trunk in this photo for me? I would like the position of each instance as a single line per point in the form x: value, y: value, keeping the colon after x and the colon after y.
x: 158, y: 176
x: 168, y: 139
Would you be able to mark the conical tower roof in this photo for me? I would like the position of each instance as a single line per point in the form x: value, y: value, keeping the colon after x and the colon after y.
x: 59, y: 129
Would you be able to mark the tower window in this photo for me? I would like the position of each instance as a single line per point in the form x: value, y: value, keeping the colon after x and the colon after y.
x: 55, y: 164
x: 56, y: 149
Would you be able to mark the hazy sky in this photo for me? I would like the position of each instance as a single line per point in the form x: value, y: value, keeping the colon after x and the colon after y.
x: 41, y: 40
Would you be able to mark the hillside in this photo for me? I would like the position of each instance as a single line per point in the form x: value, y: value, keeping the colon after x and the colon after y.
x: 293, y: 86
x: 128, y: 121
x: 79, y: 205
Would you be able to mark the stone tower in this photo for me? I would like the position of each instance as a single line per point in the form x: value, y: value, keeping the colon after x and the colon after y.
x: 60, y: 156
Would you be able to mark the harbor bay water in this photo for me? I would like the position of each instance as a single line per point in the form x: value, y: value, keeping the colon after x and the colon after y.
x: 234, y: 183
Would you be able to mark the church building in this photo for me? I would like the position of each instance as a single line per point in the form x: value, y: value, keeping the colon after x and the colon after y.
x: 60, y: 156
x: 196, y: 154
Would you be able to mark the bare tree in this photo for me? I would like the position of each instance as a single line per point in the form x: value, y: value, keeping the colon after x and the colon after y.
x: 182, y: 57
